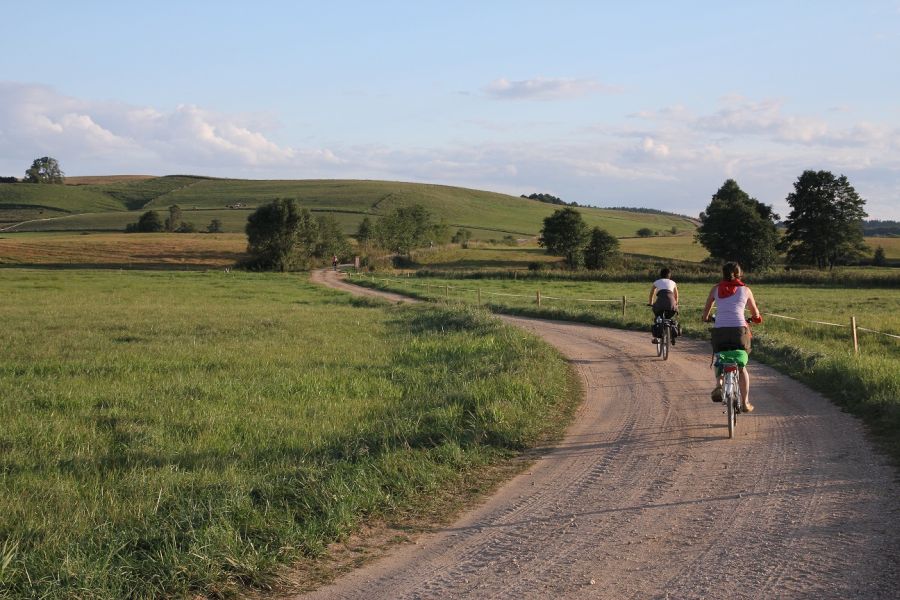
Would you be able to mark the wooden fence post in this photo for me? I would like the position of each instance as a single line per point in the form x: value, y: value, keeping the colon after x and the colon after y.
x: 447, y: 292
x: 624, y: 302
x: 479, y: 296
x: 539, y: 298
x: 855, y: 338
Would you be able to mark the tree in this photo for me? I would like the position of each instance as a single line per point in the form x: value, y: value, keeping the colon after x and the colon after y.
x: 601, y: 250
x: 462, y: 237
x: 44, y: 170
x: 565, y: 234
x: 149, y: 222
x: 331, y: 240
x: 736, y: 227
x: 281, y: 236
x: 879, y: 259
x: 365, y: 231
x: 405, y: 228
x: 215, y: 226
x: 644, y: 232
x: 173, y: 221
x: 824, y: 227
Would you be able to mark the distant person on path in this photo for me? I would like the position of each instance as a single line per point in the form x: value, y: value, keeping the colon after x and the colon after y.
x: 731, y: 333
x: 334, y: 262
x: 664, y: 298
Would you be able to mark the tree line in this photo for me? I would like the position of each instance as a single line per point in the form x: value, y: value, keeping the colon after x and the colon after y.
x: 824, y: 228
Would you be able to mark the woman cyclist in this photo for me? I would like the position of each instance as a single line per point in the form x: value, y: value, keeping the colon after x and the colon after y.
x: 731, y: 331
x: 664, y: 297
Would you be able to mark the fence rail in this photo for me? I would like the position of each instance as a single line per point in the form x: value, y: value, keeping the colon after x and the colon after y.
x: 623, y: 301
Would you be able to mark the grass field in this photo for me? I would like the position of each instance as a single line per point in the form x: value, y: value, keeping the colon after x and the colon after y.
x: 179, y: 433
x: 867, y: 384
x: 488, y: 214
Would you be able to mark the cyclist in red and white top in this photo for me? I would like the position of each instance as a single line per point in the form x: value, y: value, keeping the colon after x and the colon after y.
x: 731, y: 331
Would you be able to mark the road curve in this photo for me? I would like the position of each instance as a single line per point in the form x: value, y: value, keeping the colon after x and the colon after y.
x: 645, y: 497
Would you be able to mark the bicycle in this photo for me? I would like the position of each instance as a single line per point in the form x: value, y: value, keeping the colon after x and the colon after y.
x: 665, y: 329
x: 727, y: 374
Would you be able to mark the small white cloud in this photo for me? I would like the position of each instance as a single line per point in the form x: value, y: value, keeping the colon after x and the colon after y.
x: 545, y: 89
x: 653, y: 148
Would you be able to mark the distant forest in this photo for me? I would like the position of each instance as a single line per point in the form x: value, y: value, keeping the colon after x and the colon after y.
x: 876, y: 228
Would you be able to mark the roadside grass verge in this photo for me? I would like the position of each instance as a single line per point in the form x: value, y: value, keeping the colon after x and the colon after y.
x: 170, y: 434
x: 867, y: 384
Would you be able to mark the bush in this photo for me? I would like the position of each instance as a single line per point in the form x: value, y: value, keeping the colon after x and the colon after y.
x: 149, y: 222
x: 644, y: 232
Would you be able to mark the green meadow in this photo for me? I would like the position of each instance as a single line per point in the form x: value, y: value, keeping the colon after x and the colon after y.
x: 110, y: 206
x: 170, y: 433
x: 867, y: 383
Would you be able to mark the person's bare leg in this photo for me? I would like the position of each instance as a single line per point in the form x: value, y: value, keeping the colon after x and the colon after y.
x: 744, y: 384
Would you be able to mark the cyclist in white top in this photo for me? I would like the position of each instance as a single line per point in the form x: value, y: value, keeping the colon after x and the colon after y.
x: 664, y: 300
x: 731, y: 331
x: 666, y: 295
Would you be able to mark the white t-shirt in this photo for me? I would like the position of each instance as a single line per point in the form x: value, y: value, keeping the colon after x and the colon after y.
x: 664, y: 284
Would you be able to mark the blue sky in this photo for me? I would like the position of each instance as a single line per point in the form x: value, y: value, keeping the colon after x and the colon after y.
x: 606, y: 103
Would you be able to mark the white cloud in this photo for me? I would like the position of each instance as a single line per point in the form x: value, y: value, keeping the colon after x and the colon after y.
x: 545, y: 89
x: 36, y: 120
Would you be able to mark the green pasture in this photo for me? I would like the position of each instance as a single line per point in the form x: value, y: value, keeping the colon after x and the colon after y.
x: 489, y: 215
x: 181, y: 434
x: 821, y: 355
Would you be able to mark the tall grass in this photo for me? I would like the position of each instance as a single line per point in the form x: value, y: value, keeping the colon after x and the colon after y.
x: 867, y: 384
x: 173, y: 433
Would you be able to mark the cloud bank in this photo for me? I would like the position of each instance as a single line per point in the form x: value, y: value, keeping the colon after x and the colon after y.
x: 545, y: 89
x: 670, y: 158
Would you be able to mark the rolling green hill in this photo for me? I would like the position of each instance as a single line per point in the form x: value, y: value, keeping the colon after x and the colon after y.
x: 100, y: 206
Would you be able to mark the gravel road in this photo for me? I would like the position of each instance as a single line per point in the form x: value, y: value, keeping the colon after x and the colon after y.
x: 645, y: 497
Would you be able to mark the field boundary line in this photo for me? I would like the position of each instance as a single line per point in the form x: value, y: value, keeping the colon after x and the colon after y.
x: 616, y: 301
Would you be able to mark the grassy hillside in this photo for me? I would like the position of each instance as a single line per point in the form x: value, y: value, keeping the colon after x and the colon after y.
x: 487, y: 214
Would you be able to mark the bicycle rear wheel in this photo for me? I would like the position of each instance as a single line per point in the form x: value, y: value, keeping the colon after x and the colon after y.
x: 664, y: 343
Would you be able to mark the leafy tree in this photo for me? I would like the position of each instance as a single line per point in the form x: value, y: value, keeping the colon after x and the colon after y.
x: 565, y: 234
x: 44, y: 170
x: 737, y: 227
x: 644, y: 232
x: 281, y: 236
x: 824, y: 227
x: 365, y: 231
x: 186, y: 227
x: 173, y: 221
x: 462, y: 237
x: 405, y: 228
x: 331, y: 240
x: 440, y: 232
x: 149, y: 222
x: 601, y: 250
x: 8, y: 180
x: 215, y: 226
x: 879, y: 259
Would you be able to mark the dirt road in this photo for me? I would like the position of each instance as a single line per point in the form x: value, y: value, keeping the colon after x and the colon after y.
x: 647, y: 498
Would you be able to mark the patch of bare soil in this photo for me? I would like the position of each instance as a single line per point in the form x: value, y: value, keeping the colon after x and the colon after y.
x: 646, y: 497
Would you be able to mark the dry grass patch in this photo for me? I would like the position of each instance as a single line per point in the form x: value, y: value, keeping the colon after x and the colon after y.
x: 120, y: 250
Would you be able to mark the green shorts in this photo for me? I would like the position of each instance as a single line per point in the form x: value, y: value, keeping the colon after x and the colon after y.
x: 736, y: 356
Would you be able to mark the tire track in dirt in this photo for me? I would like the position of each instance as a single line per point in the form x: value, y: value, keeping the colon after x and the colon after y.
x: 645, y: 497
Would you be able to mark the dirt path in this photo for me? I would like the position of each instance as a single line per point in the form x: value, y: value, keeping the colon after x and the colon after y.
x: 646, y: 498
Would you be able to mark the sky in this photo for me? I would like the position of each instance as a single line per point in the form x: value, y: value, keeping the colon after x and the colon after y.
x: 605, y: 103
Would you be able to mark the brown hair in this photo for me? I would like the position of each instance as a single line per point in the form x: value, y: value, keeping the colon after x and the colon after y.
x: 665, y: 273
x: 731, y: 270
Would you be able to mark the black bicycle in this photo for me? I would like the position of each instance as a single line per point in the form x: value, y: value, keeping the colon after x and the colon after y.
x: 665, y: 329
